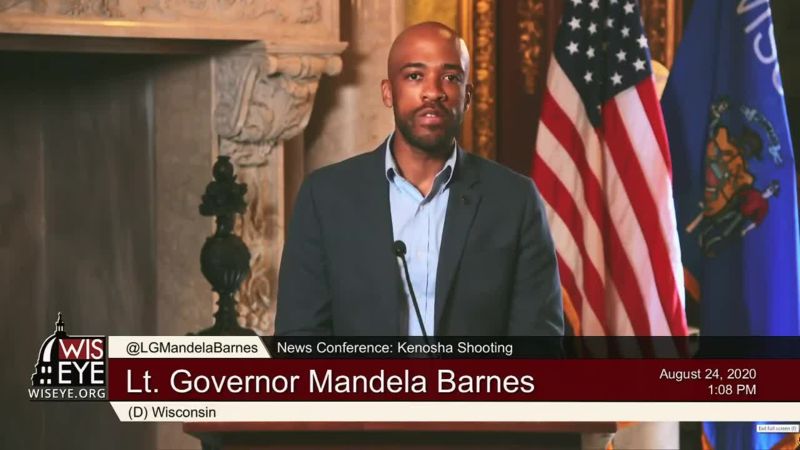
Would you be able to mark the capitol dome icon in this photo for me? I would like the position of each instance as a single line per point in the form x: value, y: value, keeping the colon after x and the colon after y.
x: 46, y: 366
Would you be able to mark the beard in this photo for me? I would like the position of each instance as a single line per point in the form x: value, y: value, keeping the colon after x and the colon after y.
x: 434, y: 144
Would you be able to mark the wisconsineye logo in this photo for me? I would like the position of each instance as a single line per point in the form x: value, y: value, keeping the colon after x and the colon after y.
x: 70, y: 360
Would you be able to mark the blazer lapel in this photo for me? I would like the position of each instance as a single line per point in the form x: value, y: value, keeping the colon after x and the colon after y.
x: 379, y: 238
x: 461, y: 208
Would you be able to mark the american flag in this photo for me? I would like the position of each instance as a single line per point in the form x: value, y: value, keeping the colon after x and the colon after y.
x: 603, y: 167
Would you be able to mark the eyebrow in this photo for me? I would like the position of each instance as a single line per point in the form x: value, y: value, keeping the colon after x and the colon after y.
x: 419, y: 65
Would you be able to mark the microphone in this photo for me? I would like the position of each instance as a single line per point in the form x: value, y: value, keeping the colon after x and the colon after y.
x: 399, y: 248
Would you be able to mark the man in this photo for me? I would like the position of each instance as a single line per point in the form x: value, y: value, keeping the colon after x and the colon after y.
x: 480, y: 257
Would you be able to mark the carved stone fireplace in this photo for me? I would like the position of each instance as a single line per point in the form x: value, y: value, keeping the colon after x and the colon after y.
x: 111, y: 115
x: 265, y: 58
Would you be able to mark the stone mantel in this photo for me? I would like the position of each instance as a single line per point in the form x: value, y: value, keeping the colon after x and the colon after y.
x: 272, y: 20
x: 266, y: 59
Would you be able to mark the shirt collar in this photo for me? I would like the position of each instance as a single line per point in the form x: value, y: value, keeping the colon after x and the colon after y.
x: 442, y: 178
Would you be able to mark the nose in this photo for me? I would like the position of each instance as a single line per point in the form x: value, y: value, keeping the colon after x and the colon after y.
x: 433, y: 91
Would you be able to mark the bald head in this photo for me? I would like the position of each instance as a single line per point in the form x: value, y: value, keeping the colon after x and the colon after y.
x: 417, y: 39
x: 428, y: 88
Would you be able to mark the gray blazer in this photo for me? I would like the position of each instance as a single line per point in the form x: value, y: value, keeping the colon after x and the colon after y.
x: 497, y: 271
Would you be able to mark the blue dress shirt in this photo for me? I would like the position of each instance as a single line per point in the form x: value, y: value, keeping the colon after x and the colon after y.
x: 418, y: 221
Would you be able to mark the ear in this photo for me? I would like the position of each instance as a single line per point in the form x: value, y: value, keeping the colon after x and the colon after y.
x: 468, y: 96
x: 386, y: 93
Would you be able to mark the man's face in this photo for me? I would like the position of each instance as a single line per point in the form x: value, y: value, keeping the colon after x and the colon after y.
x: 428, y: 89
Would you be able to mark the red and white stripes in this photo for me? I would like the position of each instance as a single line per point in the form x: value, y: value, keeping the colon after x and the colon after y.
x: 608, y: 194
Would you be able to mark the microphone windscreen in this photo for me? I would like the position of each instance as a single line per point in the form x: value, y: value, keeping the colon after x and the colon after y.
x: 399, y: 248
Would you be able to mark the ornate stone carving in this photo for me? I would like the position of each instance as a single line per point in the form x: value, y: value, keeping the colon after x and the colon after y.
x: 272, y: 11
x: 262, y: 100
x: 265, y: 99
x: 284, y: 11
x: 95, y: 8
x: 531, y: 36
x: 261, y: 229
x: 484, y: 84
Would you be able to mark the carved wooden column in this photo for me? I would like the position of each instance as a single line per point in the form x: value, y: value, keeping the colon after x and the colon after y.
x: 484, y: 62
x: 265, y: 96
x: 663, y: 20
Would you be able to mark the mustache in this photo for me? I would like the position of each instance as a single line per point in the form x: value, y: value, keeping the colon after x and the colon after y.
x: 435, y: 108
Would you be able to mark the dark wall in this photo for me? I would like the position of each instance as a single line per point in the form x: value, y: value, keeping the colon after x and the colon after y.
x: 76, y: 229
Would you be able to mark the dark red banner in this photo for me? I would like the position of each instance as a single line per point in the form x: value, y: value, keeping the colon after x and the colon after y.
x: 452, y: 380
